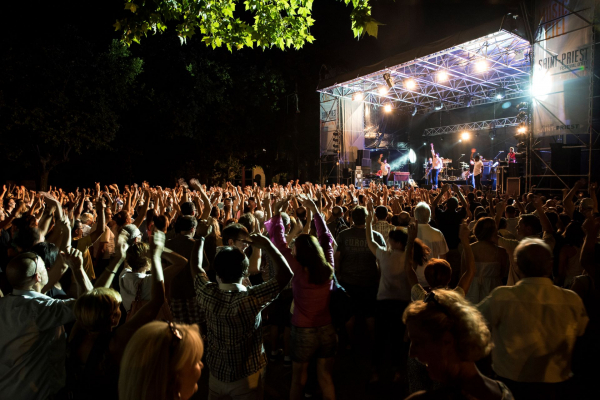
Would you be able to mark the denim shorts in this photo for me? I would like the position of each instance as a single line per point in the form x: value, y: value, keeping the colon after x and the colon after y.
x: 307, y: 343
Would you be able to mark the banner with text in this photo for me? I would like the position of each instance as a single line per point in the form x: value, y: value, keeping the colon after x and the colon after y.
x: 562, y: 67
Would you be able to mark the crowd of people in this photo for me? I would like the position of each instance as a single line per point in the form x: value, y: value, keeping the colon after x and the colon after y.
x: 134, y: 292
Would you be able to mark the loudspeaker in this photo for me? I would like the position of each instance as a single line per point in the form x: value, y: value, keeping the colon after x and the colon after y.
x: 513, y: 186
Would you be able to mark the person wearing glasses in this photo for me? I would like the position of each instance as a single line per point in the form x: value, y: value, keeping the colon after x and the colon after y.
x: 32, y: 338
x: 162, y: 361
x: 448, y: 335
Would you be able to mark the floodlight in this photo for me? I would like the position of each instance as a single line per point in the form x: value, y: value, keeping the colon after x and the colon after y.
x: 481, y: 66
x: 465, y: 135
x: 460, y: 140
x: 387, y: 108
x: 383, y: 90
x: 412, y: 157
x: 442, y: 76
x: 388, y: 80
x: 410, y: 84
x: 522, y: 129
x: 424, y: 143
x: 438, y: 105
x: 500, y: 93
x: 358, y: 96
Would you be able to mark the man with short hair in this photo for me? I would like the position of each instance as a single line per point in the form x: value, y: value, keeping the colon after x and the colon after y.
x: 433, y: 238
x: 32, y: 338
x: 382, y: 226
x: 534, y: 326
x: 356, y: 268
x: 235, y: 353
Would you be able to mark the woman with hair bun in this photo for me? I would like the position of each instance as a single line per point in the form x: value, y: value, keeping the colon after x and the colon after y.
x: 448, y: 335
x: 162, y: 361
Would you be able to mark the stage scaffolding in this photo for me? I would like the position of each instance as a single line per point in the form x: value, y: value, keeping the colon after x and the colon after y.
x: 472, y: 126
x: 538, y: 142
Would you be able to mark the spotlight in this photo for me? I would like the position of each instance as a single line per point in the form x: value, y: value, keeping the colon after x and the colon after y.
x: 358, y: 96
x: 388, y: 80
x: 438, y: 105
x: 522, y: 129
x: 500, y: 93
x: 467, y: 100
x: 465, y: 136
x: 387, y: 108
x: 414, y: 111
x: 410, y: 84
x: 442, y: 76
x: 424, y: 143
x: 460, y: 140
x: 383, y: 90
x: 412, y: 157
x: 481, y: 66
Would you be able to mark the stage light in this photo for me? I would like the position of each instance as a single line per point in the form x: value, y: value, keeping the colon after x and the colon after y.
x: 460, y: 140
x: 358, y: 96
x: 442, y: 76
x: 414, y: 111
x: 388, y: 80
x: 500, y: 93
x: 481, y: 66
x: 522, y: 129
x: 383, y: 90
x: 387, y: 108
x: 412, y: 157
x: 465, y: 136
x: 410, y: 84
x: 438, y: 105
x: 424, y: 143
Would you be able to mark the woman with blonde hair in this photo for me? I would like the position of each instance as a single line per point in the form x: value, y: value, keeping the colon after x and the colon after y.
x: 448, y: 335
x: 162, y: 361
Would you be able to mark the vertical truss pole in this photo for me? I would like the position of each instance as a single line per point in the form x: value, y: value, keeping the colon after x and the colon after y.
x: 591, y: 106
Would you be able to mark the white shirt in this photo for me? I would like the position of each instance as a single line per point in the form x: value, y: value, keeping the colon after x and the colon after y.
x: 128, y: 283
x: 393, y: 284
x: 434, y: 239
x: 32, y: 345
x: 437, y: 163
x: 534, y: 327
x: 477, y: 167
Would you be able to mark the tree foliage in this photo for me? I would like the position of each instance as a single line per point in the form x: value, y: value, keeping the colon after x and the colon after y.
x: 60, y: 97
x: 235, y: 23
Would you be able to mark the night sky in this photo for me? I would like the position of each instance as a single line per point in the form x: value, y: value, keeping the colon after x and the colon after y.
x: 407, y: 23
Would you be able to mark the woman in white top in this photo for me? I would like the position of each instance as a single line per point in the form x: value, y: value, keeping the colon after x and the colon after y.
x: 135, y: 275
x: 491, y: 261
x: 393, y: 295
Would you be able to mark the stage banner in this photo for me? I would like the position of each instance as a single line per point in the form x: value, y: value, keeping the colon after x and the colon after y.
x: 353, y: 125
x: 562, y: 68
x: 329, y: 123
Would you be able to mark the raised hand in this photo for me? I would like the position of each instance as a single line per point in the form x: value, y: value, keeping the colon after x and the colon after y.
x: 73, y: 258
x: 464, y: 233
x: 259, y: 241
x: 157, y: 243
x: 122, y: 244
x: 413, y: 230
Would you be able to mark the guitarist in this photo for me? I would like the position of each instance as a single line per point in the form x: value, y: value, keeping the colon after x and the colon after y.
x: 428, y: 170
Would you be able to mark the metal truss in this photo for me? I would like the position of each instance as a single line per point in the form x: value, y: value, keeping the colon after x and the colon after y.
x: 489, y: 69
x: 472, y: 126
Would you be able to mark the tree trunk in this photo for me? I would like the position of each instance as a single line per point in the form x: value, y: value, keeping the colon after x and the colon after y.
x: 44, y: 180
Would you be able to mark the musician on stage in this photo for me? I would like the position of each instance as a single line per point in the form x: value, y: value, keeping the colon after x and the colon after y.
x: 478, y: 171
x: 437, y: 165
x: 428, y: 170
x: 385, y: 168
x: 512, y: 156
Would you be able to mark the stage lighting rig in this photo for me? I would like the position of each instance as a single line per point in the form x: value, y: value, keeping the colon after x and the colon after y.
x: 387, y: 108
x: 467, y: 100
x: 410, y: 84
x: 442, y: 76
x: 358, y: 96
x: 481, y: 66
x: 465, y: 135
x: 438, y: 105
x: 388, y: 80
x: 383, y: 90
x: 500, y: 93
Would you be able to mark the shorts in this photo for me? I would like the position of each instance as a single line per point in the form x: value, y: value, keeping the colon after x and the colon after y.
x: 307, y: 343
x: 363, y: 299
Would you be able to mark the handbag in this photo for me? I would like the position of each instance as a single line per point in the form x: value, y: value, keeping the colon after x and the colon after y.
x: 136, y: 305
x: 340, y: 305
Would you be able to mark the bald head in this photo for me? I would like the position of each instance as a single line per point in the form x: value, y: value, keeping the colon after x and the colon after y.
x: 534, y: 258
x: 338, y: 212
x: 27, y: 271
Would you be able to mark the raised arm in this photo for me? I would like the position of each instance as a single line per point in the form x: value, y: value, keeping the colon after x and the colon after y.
x: 100, y: 223
x: 373, y: 246
x: 409, y: 269
x: 568, y: 199
x: 283, y: 273
x: 467, y: 277
x: 142, y: 215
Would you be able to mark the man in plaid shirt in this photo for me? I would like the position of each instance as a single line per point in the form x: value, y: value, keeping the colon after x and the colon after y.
x: 235, y: 353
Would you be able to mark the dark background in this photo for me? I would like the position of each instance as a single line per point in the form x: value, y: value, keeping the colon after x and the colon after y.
x: 150, y: 145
